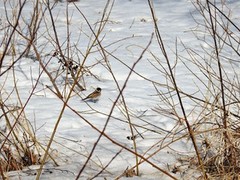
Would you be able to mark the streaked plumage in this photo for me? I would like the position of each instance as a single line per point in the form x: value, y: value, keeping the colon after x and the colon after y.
x: 94, y: 96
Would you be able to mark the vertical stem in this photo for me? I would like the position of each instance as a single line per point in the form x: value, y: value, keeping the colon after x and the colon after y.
x: 224, y: 118
x: 162, y: 47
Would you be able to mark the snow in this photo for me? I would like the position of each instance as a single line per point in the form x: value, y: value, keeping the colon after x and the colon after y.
x: 124, y: 36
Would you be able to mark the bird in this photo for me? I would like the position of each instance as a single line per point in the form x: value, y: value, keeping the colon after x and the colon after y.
x: 94, y: 96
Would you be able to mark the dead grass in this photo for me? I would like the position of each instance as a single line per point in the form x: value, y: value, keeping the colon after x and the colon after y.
x: 212, y: 126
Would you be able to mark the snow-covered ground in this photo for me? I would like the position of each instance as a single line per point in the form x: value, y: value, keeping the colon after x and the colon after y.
x: 125, y: 35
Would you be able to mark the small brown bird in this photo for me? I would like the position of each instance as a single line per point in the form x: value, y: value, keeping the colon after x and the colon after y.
x: 94, y: 96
